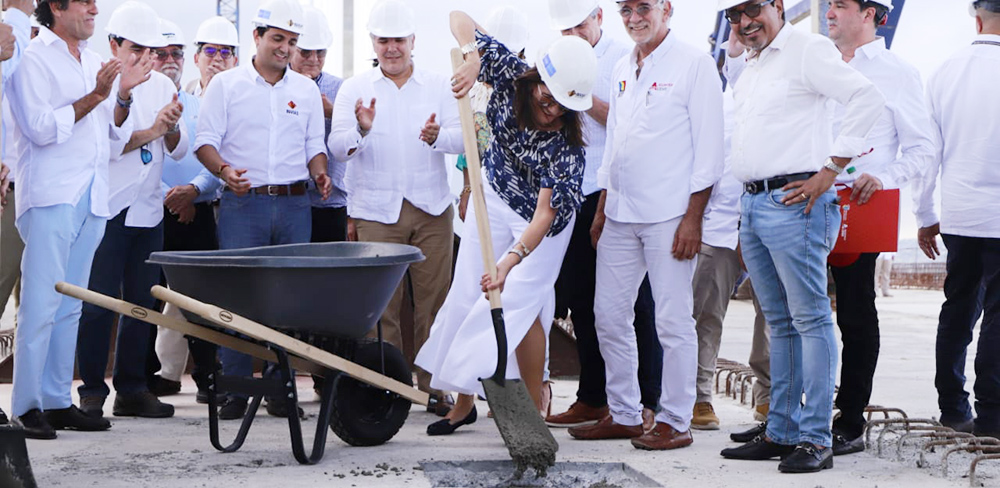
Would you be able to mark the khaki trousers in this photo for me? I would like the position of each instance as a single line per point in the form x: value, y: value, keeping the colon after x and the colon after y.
x: 11, y: 249
x: 760, y: 354
x: 430, y: 279
x: 718, y: 269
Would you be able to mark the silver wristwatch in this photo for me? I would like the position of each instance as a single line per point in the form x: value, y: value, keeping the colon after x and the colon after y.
x: 830, y: 165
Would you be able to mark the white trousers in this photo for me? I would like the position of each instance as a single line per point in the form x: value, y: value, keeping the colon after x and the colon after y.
x: 462, y: 346
x: 625, y: 253
x: 171, y: 347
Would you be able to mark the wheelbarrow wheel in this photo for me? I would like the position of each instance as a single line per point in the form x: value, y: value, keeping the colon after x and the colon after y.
x: 364, y: 415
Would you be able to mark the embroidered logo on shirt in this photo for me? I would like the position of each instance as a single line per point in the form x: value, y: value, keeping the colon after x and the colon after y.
x: 291, y: 108
x: 661, y: 86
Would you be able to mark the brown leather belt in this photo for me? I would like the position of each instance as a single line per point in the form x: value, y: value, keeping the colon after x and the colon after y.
x: 293, y: 189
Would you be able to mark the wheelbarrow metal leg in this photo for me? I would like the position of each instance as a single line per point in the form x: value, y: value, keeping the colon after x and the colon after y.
x: 213, y: 416
x: 284, y: 370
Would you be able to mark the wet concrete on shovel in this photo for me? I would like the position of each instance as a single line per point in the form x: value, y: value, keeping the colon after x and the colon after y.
x: 502, y: 474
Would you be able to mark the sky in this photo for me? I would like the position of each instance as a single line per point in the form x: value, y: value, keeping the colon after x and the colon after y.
x: 929, y: 32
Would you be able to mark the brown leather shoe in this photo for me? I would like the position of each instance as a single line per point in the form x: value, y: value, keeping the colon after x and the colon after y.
x: 606, y: 429
x: 578, y: 414
x: 661, y: 438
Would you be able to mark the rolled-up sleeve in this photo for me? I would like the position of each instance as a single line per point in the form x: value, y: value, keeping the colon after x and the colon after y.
x: 707, y: 126
x: 345, y: 141
x: 449, y: 139
x: 21, y: 25
x: 498, y: 67
x: 213, y: 117
x: 31, y: 93
x: 825, y: 72
x: 181, y: 149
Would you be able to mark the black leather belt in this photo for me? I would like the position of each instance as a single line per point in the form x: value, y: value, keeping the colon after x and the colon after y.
x: 294, y: 189
x: 755, y: 187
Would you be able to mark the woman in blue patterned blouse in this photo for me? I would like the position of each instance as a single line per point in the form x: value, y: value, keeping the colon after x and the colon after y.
x: 533, y: 168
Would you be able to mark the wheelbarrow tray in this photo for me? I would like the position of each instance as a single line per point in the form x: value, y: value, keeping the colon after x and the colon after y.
x: 337, y: 289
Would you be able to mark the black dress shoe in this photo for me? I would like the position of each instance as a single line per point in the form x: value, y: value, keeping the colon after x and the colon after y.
x: 445, y: 427
x: 842, y: 445
x: 161, y: 386
x: 35, y: 426
x: 758, y: 449
x: 966, y: 426
x: 72, y: 418
x: 749, y: 435
x: 3, y: 418
x: 807, y: 458
x: 233, y: 408
x: 142, y: 404
x: 202, y: 396
x: 278, y: 407
x: 986, y: 432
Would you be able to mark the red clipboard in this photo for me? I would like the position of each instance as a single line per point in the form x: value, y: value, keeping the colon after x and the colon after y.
x: 868, y: 228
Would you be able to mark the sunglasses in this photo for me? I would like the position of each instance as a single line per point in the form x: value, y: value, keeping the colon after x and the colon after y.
x: 308, y: 53
x: 547, y: 102
x: 643, y: 10
x: 145, y: 154
x: 226, y: 53
x: 752, y: 11
x: 177, y: 54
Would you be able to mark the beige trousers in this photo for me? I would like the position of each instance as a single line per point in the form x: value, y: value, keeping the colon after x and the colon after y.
x: 429, y: 280
x: 11, y: 249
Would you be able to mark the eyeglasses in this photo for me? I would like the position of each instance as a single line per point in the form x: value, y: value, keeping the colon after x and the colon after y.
x: 177, y: 54
x: 145, y: 154
x: 643, y: 10
x: 546, y: 102
x: 226, y: 53
x: 308, y: 53
x: 752, y: 11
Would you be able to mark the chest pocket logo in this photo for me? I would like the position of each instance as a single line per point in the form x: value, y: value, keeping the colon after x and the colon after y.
x: 291, y: 108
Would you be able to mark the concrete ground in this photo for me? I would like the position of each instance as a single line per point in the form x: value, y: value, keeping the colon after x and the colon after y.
x: 176, y: 452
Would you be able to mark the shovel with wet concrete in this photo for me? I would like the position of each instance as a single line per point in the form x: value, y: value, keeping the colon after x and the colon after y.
x: 525, y: 434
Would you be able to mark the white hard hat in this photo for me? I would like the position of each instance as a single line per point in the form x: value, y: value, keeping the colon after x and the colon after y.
x: 391, y: 19
x: 510, y: 27
x: 217, y: 30
x: 282, y: 14
x: 728, y: 4
x: 569, y: 68
x: 567, y: 14
x: 885, y: 3
x: 136, y: 22
x: 171, y: 33
x: 316, y: 34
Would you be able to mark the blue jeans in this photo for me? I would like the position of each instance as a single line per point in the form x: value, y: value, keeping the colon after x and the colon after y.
x: 971, y: 288
x: 59, y: 245
x: 255, y: 221
x: 785, y: 251
x: 120, y: 269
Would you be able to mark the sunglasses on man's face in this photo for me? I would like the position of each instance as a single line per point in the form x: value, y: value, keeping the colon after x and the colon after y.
x: 734, y: 16
x: 177, y: 54
x: 212, y: 51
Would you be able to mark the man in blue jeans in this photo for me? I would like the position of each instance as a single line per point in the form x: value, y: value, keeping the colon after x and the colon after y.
x: 964, y: 107
x: 790, y: 215
x: 261, y: 131
x: 135, y: 231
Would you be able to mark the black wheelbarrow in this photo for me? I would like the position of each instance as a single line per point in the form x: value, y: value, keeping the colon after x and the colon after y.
x: 320, y: 301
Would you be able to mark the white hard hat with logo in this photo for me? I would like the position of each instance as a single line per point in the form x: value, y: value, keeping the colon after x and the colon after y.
x: 510, y: 27
x: 567, y: 14
x: 568, y: 67
x: 136, y: 22
x: 171, y: 32
x: 316, y: 35
x: 217, y: 30
x: 282, y: 14
x: 391, y: 19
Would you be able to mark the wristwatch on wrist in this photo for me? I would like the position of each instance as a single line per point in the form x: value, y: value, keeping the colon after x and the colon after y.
x: 468, y: 48
x: 830, y: 165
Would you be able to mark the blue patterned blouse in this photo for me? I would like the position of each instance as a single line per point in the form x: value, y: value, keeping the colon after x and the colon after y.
x: 519, y: 163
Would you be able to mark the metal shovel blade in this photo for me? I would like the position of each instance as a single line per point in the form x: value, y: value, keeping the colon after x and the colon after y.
x: 528, y: 439
x: 15, y: 468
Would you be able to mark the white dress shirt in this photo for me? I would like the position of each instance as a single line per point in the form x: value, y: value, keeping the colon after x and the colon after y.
x: 133, y: 184
x: 609, y: 51
x: 665, y: 134
x: 782, y: 122
x: 964, y: 105
x: 391, y: 163
x: 59, y: 156
x: 11, y: 137
x: 722, y: 214
x: 270, y: 131
x: 900, y: 142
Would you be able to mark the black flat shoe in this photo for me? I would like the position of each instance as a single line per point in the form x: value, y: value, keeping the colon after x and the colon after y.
x: 842, y: 445
x: 35, y: 426
x: 749, y: 435
x: 445, y: 427
x: 72, y: 418
x: 759, y: 449
x: 807, y: 458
